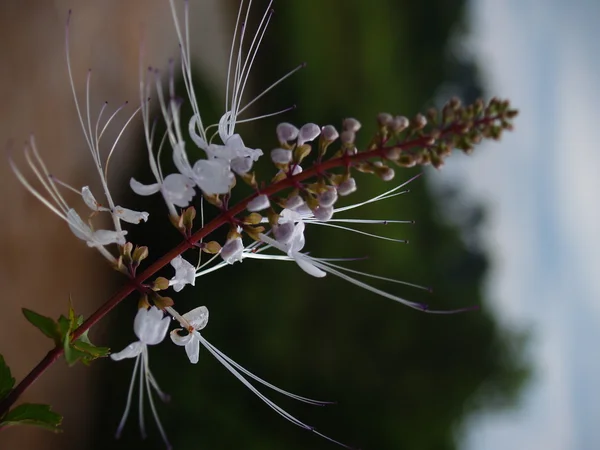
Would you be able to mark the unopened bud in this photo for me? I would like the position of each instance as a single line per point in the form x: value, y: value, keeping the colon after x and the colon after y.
x: 347, y: 187
x: 253, y: 219
x: 323, y: 213
x: 328, y: 197
x: 308, y: 133
x: 348, y: 137
x: 139, y: 254
x: 301, y: 152
x: 295, y: 201
x: 281, y: 156
x: 420, y: 121
x: 161, y: 302
x: 286, y: 132
x: 212, y: 247
x: 400, y: 123
x: 351, y: 124
x: 384, y: 119
x: 329, y: 133
x: 160, y: 284
x: 258, y: 203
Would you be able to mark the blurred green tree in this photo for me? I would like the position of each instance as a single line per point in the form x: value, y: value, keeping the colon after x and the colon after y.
x: 403, y: 379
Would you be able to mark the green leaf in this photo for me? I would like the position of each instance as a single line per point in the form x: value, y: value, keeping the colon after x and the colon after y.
x: 45, y: 324
x: 33, y: 414
x: 6, y: 380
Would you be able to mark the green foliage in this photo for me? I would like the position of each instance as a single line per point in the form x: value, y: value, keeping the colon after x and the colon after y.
x: 60, y: 332
x: 33, y: 414
x: 6, y: 379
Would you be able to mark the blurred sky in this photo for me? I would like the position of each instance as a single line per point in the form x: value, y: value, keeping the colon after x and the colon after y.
x: 539, y: 184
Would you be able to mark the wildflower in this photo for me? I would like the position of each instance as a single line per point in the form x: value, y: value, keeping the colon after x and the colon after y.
x: 232, y: 250
x: 185, y: 273
x: 150, y: 326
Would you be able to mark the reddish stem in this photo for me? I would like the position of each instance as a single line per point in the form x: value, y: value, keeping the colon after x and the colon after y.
x: 221, y: 219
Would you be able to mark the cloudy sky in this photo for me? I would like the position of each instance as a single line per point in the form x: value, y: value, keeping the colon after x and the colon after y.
x: 539, y: 183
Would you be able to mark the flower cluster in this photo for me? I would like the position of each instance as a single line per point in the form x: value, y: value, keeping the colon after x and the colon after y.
x: 314, y: 167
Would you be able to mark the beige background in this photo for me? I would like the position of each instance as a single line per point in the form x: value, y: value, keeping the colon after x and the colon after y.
x: 41, y: 262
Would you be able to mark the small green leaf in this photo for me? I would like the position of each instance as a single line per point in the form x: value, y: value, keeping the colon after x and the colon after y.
x: 6, y: 380
x: 45, y: 324
x: 33, y: 414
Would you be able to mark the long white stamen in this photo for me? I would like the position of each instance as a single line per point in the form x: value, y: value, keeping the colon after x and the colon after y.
x: 43, y: 177
x: 129, y: 397
x: 283, y: 78
x: 269, y: 385
x: 110, y: 153
x: 151, y: 400
x: 235, y: 30
x: 283, y: 413
x: 250, y: 58
x: 141, y: 400
x: 264, y: 116
x: 364, y: 233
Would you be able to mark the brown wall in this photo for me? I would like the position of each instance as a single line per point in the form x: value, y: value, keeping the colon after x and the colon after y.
x: 41, y: 262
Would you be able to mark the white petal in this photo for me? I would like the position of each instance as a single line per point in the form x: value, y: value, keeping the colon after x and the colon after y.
x: 131, y: 351
x: 258, y: 203
x: 107, y: 237
x: 143, y: 189
x: 192, y: 348
x: 213, y: 176
x: 194, y: 135
x: 77, y: 226
x: 178, y: 189
x: 181, y: 161
x: 306, y: 265
x: 178, y: 339
x: 232, y: 250
x: 241, y: 165
x: 284, y: 232
x: 185, y: 273
x: 197, y: 317
x: 150, y: 325
x: 297, y: 242
x: 287, y: 215
x: 130, y: 216
x: 89, y: 199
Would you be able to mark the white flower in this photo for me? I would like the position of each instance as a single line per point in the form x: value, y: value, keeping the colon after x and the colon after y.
x: 286, y: 132
x: 281, y: 156
x: 328, y: 197
x: 308, y: 133
x: 98, y: 238
x: 213, y: 176
x: 185, y: 273
x: 232, y: 250
x: 347, y: 187
x: 175, y: 188
x: 196, y: 319
x: 150, y: 326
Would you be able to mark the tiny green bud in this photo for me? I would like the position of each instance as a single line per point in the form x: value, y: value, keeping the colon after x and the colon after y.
x: 212, y: 247
x: 139, y: 254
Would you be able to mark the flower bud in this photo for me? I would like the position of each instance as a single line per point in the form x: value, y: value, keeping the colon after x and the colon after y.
x: 258, y: 203
x: 347, y: 187
x: 212, y: 247
x: 384, y: 119
x: 329, y: 133
x: 281, y: 156
x: 348, y: 137
x: 328, y: 197
x: 286, y: 132
x: 323, y: 213
x: 308, y: 132
x: 350, y: 124
x: 294, y: 202
x: 139, y: 254
x: 160, y: 284
x: 399, y: 124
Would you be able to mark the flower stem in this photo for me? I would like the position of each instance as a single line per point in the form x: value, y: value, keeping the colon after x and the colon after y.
x: 319, y: 167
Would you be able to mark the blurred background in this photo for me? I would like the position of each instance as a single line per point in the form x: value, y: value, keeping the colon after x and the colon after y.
x: 508, y: 228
